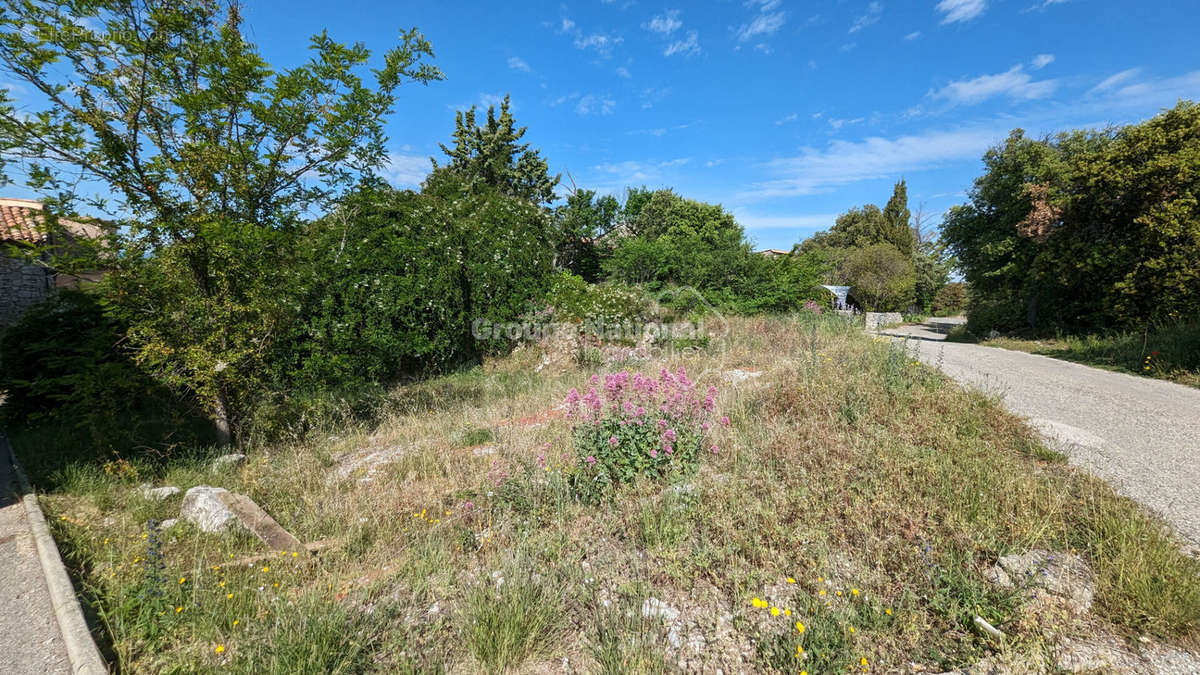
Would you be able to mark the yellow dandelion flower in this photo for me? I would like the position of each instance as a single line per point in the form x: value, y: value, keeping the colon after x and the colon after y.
x: 839, y: 594
x: 774, y: 611
x: 787, y: 612
x: 236, y: 622
x: 888, y: 611
x: 791, y: 580
x: 178, y: 610
x: 276, y: 584
x: 266, y: 569
x: 182, y: 579
x: 854, y: 592
x: 799, y: 627
x: 219, y: 649
x: 821, y: 592
x: 222, y: 584
x: 229, y: 596
x: 295, y: 554
x: 851, y: 629
x: 863, y: 661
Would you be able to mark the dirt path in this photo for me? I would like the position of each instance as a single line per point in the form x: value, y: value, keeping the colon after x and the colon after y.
x: 29, y: 637
x: 1139, y: 434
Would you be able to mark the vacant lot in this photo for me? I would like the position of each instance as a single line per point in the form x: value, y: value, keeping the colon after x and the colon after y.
x: 848, y: 518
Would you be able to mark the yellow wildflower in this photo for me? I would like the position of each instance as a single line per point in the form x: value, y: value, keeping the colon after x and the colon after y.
x: 854, y: 592
x: 799, y: 627
x: 839, y: 594
x: 178, y: 610
x: 821, y: 592
x: 888, y: 611
x: 791, y: 580
x: 774, y: 611
x: 266, y: 569
x: 787, y: 612
x: 182, y: 579
x: 863, y: 661
x: 219, y: 649
x: 229, y: 596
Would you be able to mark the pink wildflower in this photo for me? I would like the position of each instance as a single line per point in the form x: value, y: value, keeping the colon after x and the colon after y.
x: 613, y: 441
x: 654, y: 454
x: 725, y: 421
x: 590, y: 460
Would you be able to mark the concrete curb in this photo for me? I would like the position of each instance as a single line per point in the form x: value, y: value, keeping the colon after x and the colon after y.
x: 81, y: 648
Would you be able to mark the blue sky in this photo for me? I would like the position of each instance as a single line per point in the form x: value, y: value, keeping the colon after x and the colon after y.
x: 787, y: 113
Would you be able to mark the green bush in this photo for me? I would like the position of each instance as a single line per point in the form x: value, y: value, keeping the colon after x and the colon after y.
x: 63, y: 366
x: 951, y: 299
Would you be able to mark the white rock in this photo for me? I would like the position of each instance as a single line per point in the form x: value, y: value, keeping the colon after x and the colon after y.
x: 653, y: 608
x: 202, y: 506
x: 484, y: 450
x: 168, y: 523
x: 157, y: 494
x: 227, y: 460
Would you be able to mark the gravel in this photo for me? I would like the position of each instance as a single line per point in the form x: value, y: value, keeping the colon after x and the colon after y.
x: 1139, y: 434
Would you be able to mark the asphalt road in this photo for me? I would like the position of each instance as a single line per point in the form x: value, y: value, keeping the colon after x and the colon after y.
x: 1139, y: 434
x: 30, y: 642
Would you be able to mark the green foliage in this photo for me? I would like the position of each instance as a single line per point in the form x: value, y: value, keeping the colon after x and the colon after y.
x: 1086, y: 230
x: 896, y: 216
x: 573, y: 299
x: 492, y: 156
x: 211, y: 156
x: 63, y: 366
x: 578, y: 224
x: 510, y: 619
x: 880, y: 277
x: 950, y: 300
x: 931, y: 269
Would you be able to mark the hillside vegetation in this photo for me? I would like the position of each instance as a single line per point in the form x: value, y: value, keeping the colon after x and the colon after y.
x: 853, y: 493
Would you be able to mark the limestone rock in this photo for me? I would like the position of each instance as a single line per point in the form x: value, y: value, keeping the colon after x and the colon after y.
x: 157, y: 494
x: 205, y: 508
x: 226, y: 461
x: 1063, y: 575
x: 653, y: 608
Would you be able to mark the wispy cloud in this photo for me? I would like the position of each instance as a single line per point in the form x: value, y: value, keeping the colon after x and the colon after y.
x: 955, y: 11
x: 598, y: 42
x: 631, y: 171
x: 874, y: 11
x: 1042, y: 60
x: 664, y: 23
x: 689, y: 46
x: 518, y: 63
x: 1115, y: 80
x: 786, y: 119
x: 766, y: 21
x: 1014, y: 83
x: 843, y: 162
x: 622, y: 71
x: 404, y: 170
x: 595, y: 104
x: 913, y: 35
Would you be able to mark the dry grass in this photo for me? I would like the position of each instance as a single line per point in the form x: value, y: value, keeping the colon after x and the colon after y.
x: 848, y: 467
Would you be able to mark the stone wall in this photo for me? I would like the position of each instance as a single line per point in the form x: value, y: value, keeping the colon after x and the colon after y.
x: 877, y: 319
x: 21, y: 286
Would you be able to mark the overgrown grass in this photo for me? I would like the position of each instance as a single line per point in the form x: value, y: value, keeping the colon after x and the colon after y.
x: 1168, y: 352
x: 882, y: 490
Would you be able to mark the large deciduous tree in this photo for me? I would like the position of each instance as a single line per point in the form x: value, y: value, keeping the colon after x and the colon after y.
x: 211, y: 158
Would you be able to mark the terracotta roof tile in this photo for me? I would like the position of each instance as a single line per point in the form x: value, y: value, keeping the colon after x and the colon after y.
x: 20, y: 221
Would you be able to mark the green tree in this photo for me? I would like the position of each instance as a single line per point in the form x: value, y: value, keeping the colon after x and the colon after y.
x: 492, y: 155
x: 211, y: 157
x: 896, y: 229
x: 579, y: 223
x: 880, y: 277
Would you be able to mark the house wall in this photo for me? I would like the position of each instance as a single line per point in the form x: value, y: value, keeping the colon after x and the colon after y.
x: 21, y: 286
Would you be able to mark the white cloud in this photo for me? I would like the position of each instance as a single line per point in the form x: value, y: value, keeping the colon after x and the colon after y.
x: 1165, y: 90
x: 406, y: 170
x: 518, y: 63
x: 686, y: 47
x: 631, y: 171
x: 666, y: 23
x: 786, y: 119
x: 766, y: 22
x: 595, y: 104
x: 837, y: 123
x: 874, y: 11
x: 1042, y: 60
x: 1113, y: 81
x: 622, y: 71
x: 913, y: 35
x: 806, y: 222
x: 1014, y: 83
x: 844, y: 162
x: 566, y: 26
x: 961, y: 10
x: 602, y: 44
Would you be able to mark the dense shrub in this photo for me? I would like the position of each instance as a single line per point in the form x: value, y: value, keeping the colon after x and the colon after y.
x: 1085, y: 231
x: 951, y: 300
x: 880, y: 277
x: 572, y: 299
x: 63, y: 365
x: 634, y: 425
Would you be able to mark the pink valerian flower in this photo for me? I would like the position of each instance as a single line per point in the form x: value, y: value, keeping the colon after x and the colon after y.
x: 590, y: 460
x: 467, y: 506
x: 668, y: 448
x: 705, y: 426
x: 654, y: 454
x: 612, y: 441
x: 714, y: 449
x: 725, y: 421
x: 640, y: 412
x: 662, y: 424
x: 669, y: 435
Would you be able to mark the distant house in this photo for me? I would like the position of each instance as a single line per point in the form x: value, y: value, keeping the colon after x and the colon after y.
x: 773, y: 252
x: 24, y: 283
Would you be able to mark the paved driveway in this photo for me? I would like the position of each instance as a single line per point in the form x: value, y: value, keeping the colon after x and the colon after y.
x: 1139, y: 434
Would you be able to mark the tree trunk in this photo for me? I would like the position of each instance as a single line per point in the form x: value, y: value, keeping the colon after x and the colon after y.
x: 221, y: 419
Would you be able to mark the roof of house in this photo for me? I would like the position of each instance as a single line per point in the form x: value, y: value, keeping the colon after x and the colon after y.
x: 772, y: 251
x: 21, y: 221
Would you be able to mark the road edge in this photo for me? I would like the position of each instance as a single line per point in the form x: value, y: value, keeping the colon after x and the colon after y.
x: 81, y: 648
